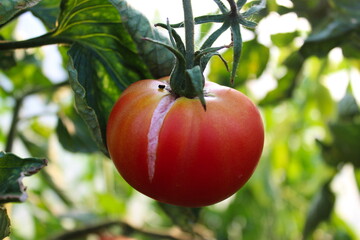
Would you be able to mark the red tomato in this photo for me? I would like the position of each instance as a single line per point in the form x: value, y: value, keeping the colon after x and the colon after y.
x: 171, y: 150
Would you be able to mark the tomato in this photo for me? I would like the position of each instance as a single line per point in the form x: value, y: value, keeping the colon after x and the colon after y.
x: 171, y: 150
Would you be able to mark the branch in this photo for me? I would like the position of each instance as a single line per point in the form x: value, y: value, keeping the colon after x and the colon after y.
x: 127, y: 228
x: 46, y: 39
x: 15, y: 119
x: 47, y: 88
x: 18, y: 104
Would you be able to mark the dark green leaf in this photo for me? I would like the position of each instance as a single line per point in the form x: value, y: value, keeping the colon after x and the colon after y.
x: 329, y: 154
x: 4, y: 223
x: 73, y: 134
x: 348, y: 7
x: 91, y: 84
x: 351, y: 48
x: 96, y: 25
x: 320, y: 210
x: 348, y: 108
x: 314, y: 11
x: 288, y: 82
x: 8, y: 8
x: 47, y: 11
x: 346, y: 144
x: 158, y: 59
x: 332, y: 35
x: 12, y: 170
x: 337, y: 29
x: 103, y: 61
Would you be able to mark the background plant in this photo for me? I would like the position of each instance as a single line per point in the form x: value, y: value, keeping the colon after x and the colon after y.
x: 311, y: 137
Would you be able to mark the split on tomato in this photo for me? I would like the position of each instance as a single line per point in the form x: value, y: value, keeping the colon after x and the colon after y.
x: 170, y: 149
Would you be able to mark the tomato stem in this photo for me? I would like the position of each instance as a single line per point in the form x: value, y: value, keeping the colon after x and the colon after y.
x: 187, y: 78
x: 233, y: 8
x: 189, y: 33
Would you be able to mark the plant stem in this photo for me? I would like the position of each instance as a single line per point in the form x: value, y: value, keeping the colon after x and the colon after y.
x: 58, y: 191
x: 50, y: 88
x: 189, y: 33
x: 46, y: 39
x: 15, y: 115
x: 15, y: 119
x: 233, y: 7
x: 127, y: 228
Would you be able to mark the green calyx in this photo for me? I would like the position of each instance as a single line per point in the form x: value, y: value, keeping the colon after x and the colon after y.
x: 187, y: 78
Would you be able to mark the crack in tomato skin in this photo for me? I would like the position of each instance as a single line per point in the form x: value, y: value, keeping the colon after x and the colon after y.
x: 156, y: 123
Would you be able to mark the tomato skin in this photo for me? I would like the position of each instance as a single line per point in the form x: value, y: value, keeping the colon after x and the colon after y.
x: 202, y: 157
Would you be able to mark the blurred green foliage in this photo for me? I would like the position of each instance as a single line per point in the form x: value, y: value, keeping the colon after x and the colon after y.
x: 310, y: 135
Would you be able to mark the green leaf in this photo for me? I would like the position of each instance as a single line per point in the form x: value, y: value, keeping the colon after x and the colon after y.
x: 12, y: 170
x: 73, y: 134
x: 47, y: 11
x: 348, y: 108
x: 320, y: 210
x: 334, y: 34
x: 158, y: 59
x: 324, y: 100
x: 346, y: 144
x: 8, y: 8
x: 103, y: 60
x: 35, y: 148
x: 287, y: 83
x: 92, y: 102
x: 348, y: 7
x: 96, y: 25
x: 283, y: 39
x: 351, y: 49
x: 255, y: 58
x: 336, y: 30
x: 313, y: 11
x: 30, y: 69
x: 4, y: 223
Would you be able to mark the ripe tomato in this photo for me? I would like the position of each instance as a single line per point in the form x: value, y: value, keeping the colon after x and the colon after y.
x: 171, y: 150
